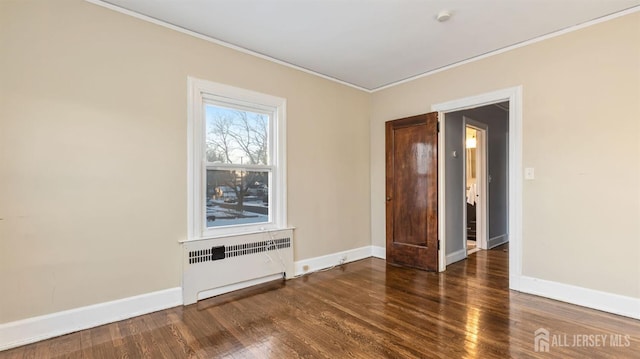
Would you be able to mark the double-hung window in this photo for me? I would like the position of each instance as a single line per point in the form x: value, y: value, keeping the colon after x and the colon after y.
x: 236, y: 160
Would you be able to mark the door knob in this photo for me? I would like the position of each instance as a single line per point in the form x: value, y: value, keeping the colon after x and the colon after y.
x: 388, y: 199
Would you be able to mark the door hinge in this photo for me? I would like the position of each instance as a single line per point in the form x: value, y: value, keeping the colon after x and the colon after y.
x: 438, y: 126
x: 438, y: 244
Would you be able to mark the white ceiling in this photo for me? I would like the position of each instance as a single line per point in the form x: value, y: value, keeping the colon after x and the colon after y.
x: 373, y: 43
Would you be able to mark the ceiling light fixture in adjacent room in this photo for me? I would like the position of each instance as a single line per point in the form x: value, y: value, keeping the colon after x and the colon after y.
x: 471, y: 142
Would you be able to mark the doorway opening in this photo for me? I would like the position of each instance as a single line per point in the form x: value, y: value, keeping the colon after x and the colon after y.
x: 475, y: 190
x: 471, y: 189
x: 452, y: 193
x: 476, y: 172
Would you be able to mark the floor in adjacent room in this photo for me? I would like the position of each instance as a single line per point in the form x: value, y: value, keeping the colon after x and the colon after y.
x: 472, y: 247
x: 364, y: 309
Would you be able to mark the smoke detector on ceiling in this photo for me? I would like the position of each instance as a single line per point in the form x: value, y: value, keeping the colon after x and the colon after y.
x: 443, y: 15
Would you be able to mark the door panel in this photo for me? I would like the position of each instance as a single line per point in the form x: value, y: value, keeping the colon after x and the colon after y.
x: 412, y: 191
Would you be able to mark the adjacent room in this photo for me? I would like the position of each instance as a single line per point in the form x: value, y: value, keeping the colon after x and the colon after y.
x: 371, y: 179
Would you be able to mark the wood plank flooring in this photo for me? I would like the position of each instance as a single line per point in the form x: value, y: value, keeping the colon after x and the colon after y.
x: 364, y: 309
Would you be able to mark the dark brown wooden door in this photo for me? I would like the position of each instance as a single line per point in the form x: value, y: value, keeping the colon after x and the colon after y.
x: 412, y: 191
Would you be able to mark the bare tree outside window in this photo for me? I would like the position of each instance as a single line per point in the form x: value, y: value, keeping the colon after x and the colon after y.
x: 237, y: 166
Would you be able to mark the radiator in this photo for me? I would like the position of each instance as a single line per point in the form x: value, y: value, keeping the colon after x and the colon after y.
x: 220, y: 265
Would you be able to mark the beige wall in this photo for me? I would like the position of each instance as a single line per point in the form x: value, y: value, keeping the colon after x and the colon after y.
x: 581, y: 133
x: 93, y: 153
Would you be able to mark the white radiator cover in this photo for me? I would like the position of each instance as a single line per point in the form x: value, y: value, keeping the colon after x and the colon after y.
x: 243, y: 261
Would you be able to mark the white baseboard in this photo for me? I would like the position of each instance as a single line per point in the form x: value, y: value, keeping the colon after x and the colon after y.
x: 331, y: 260
x: 496, y: 241
x: 590, y: 298
x: 31, y: 330
x: 456, y: 256
x: 379, y: 252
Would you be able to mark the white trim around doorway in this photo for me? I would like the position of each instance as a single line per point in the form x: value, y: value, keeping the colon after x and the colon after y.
x: 514, y: 96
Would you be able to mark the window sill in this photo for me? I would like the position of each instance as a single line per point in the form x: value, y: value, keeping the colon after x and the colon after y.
x: 227, y: 235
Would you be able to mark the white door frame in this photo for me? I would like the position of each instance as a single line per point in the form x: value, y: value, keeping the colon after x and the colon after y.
x: 514, y: 96
x: 482, y: 180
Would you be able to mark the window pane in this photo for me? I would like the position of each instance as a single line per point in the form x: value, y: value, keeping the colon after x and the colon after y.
x: 237, y: 197
x: 236, y: 136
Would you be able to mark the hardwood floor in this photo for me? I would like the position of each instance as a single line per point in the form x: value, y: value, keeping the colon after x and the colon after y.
x: 364, y: 309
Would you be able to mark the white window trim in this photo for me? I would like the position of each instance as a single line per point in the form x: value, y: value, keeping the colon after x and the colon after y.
x: 198, y: 90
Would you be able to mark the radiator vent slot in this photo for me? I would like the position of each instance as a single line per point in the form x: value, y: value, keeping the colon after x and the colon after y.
x: 206, y: 255
x: 202, y: 255
x: 257, y: 247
